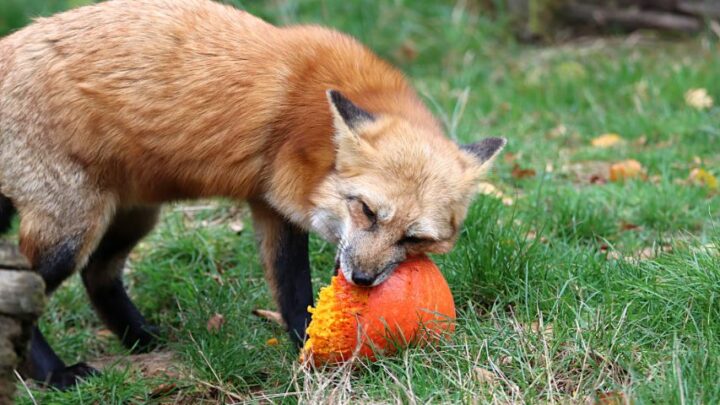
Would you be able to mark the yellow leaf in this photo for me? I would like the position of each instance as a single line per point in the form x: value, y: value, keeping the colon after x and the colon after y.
x: 488, y: 189
x: 272, y: 342
x: 607, y: 140
x: 627, y: 169
x: 698, y: 98
x: 705, y: 178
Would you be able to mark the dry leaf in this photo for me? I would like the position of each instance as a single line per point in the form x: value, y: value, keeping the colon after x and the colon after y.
x: 272, y: 342
x: 154, y: 364
x: 237, y: 226
x: 611, y: 398
x: 520, y: 173
x: 607, y: 140
x: 532, y: 235
x: 597, y: 179
x: 592, y: 172
x: 698, y: 98
x: 627, y: 169
x: 547, y: 332
x: 215, y: 323
x: 557, y: 132
x: 485, y: 376
x: 162, y: 390
x: 704, y: 178
x: 408, y: 51
x: 628, y: 226
x: 104, y: 333
x: 488, y: 189
x: 271, y: 316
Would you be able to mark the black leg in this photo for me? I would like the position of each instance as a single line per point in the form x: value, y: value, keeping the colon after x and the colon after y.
x: 121, y: 316
x: 6, y: 213
x: 284, y: 252
x: 292, y: 278
x: 102, y: 277
x: 42, y: 363
x: 45, y: 366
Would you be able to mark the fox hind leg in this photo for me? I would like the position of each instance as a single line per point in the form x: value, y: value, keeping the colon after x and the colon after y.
x: 56, y: 239
x: 7, y: 210
x: 102, y: 277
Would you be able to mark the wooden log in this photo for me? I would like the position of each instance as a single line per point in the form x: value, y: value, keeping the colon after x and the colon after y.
x: 22, y: 298
x: 630, y: 18
x: 704, y: 9
x: 11, y: 258
x: 22, y: 294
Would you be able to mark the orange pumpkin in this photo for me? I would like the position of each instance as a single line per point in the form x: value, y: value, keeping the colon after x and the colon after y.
x: 413, y: 306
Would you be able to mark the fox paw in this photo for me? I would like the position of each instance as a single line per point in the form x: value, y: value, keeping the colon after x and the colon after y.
x: 69, y: 376
x: 143, y: 340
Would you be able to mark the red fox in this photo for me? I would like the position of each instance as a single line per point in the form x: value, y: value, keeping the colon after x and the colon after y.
x: 108, y: 111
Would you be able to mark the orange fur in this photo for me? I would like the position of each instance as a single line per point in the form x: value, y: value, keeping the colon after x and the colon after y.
x: 136, y: 102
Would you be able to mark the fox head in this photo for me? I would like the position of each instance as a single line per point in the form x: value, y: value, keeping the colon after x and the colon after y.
x: 399, y: 188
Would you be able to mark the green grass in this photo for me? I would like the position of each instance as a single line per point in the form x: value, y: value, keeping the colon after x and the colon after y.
x: 574, y: 311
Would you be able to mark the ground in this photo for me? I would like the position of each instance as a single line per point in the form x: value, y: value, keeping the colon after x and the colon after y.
x: 570, y: 287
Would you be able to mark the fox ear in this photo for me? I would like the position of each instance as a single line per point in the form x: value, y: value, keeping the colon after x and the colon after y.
x: 485, y: 150
x: 346, y: 115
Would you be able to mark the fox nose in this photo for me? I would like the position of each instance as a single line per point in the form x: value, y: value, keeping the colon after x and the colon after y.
x: 362, y: 279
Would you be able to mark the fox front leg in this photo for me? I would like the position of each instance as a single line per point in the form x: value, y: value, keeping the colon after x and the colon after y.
x: 284, y: 253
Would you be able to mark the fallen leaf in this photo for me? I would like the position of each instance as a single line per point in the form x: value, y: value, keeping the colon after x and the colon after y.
x: 104, y: 333
x: 547, y: 332
x: 532, y: 235
x: 627, y: 169
x: 489, y: 189
x: 607, y: 140
x: 698, y: 99
x: 707, y: 249
x: 162, y: 390
x: 597, y: 179
x: 485, y: 377
x: 611, y: 398
x: 272, y: 342
x: 703, y: 178
x: 520, y: 173
x: 557, y: 132
x: 237, y: 226
x: 408, y: 51
x: 628, y: 226
x: 592, y: 172
x: 215, y: 323
x: 154, y: 364
x: 272, y: 316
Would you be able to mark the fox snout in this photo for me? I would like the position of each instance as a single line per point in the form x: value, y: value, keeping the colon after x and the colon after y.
x: 368, y: 270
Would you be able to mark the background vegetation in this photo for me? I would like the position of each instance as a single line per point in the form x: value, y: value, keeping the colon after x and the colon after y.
x: 570, y: 287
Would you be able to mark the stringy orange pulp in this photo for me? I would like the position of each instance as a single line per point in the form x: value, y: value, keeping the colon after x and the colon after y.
x: 334, y: 326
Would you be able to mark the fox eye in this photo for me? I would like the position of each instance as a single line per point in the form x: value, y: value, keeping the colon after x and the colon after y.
x: 368, y: 212
x: 410, y: 240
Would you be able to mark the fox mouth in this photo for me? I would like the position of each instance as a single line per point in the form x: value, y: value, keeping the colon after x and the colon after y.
x: 384, y: 274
